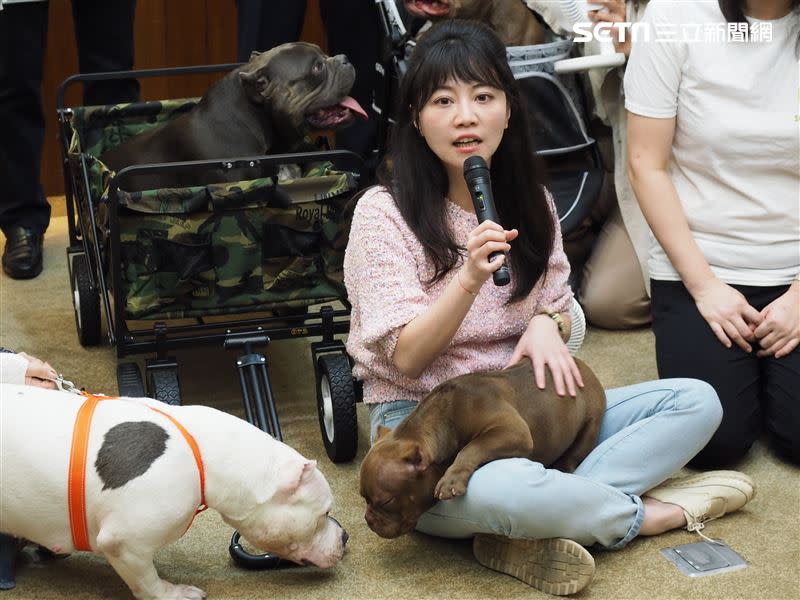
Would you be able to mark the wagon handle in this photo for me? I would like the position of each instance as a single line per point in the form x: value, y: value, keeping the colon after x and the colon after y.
x: 160, y: 72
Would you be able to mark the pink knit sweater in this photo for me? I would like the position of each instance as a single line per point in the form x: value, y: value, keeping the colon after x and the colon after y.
x: 384, y: 270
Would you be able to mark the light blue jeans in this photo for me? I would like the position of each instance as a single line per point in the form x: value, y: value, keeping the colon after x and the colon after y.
x: 649, y: 431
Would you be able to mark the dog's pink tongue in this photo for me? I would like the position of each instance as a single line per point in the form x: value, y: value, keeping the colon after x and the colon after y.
x: 424, y: 8
x: 352, y: 104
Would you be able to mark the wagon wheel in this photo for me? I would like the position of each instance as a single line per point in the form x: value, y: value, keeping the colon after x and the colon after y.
x: 86, y: 302
x: 129, y: 380
x: 336, y: 403
x: 163, y: 385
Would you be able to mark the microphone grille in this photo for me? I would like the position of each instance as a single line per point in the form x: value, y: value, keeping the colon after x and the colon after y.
x: 473, y: 165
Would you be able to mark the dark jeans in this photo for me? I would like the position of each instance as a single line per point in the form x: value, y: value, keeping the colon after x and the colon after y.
x: 755, y: 392
x: 104, y: 35
x: 353, y: 30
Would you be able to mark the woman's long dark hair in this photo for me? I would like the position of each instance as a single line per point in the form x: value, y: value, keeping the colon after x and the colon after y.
x: 733, y: 10
x: 469, y: 52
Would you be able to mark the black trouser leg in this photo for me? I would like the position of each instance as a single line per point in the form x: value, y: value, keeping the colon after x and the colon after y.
x: 8, y: 559
x: 104, y: 35
x: 781, y: 399
x: 23, y: 35
x: 353, y: 30
x: 264, y: 25
x: 754, y: 391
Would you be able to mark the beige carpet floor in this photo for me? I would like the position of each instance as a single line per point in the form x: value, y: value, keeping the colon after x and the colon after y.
x: 36, y: 316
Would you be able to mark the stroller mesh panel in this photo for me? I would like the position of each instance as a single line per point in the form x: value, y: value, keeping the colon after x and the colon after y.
x: 556, y: 123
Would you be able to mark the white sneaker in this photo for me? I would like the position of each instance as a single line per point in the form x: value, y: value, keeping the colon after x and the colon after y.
x: 706, y: 496
x: 555, y: 566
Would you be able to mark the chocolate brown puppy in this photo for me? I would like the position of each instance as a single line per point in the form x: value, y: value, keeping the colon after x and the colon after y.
x: 467, y: 422
x: 510, y: 19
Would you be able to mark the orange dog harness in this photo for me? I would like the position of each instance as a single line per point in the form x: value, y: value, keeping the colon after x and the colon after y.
x: 76, y: 484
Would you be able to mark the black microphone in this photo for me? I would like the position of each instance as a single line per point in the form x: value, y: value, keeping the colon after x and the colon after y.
x: 479, y: 182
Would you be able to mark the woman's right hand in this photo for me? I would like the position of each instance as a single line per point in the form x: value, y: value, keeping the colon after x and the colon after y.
x: 727, y: 312
x: 486, y: 238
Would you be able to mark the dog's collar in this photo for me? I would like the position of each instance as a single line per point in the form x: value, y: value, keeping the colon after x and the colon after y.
x: 76, y: 481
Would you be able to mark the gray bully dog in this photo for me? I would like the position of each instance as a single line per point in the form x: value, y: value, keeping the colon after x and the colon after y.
x: 266, y: 106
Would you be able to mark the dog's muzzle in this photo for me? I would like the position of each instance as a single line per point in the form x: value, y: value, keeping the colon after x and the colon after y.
x: 345, y: 535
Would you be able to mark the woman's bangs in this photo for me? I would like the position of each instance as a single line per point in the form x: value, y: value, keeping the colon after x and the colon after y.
x: 446, y: 62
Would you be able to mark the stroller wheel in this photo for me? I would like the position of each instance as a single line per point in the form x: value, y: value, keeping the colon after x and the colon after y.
x: 336, y: 402
x: 129, y: 380
x: 86, y: 301
x: 163, y: 385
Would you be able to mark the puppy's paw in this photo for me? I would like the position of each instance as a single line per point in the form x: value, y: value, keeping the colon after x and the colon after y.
x: 184, y: 592
x: 452, y: 484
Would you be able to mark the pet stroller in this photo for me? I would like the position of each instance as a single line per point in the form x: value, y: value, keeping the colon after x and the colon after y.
x: 555, y: 102
x: 237, y: 263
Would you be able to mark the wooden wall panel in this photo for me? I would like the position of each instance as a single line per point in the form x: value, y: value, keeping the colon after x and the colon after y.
x: 168, y: 33
x: 313, y: 30
x: 150, y: 46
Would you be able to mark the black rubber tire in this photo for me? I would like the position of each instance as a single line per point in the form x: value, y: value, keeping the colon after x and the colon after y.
x: 86, y: 302
x: 164, y: 386
x: 129, y: 380
x: 336, y: 407
x: 255, y: 561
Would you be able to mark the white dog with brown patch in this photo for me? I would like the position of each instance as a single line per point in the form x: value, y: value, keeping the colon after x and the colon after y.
x: 143, y: 483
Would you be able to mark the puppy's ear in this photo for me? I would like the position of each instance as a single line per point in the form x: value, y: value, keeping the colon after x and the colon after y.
x: 416, y: 458
x: 254, y: 53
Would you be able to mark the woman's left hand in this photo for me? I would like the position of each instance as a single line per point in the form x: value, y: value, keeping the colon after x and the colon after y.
x: 542, y: 343
x: 779, y: 331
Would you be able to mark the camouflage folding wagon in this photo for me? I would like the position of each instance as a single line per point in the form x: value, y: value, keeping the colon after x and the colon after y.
x: 233, y: 262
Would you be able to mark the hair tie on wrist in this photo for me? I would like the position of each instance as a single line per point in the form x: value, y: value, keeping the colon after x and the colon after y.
x: 458, y: 278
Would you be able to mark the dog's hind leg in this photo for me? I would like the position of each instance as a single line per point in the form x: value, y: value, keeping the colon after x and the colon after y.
x: 138, y: 571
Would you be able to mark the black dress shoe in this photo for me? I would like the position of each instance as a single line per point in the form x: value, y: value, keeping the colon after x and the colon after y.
x: 22, y: 258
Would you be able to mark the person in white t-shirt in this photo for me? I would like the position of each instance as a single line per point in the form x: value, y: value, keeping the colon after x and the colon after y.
x: 714, y: 159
